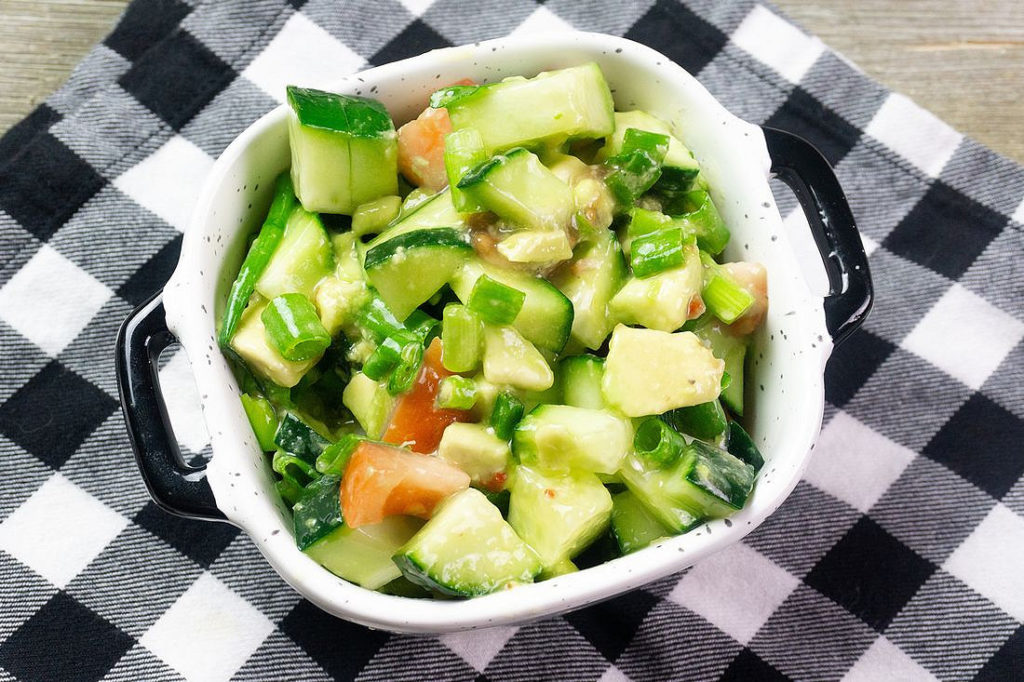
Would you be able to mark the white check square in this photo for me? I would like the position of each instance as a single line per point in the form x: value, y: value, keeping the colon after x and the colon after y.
x: 855, y: 463
x: 990, y: 560
x: 965, y: 336
x: 181, y: 396
x: 50, y: 300
x: 886, y: 661
x: 778, y: 43
x: 914, y: 133
x: 59, y: 530
x: 1018, y: 215
x: 303, y: 54
x: 542, y: 20
x: 478, y: 647
x: 736, y: 590
x: 169, y: 181
x: 208, y: 633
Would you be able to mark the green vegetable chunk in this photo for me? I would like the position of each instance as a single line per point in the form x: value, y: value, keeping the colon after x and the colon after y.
x: 298, y: 438
x: 658, y: 443
x: 293, y: 327
x: 508, y: 410
x: 495, y: 302
x: 262, y: 418
x: 462, y: 339
x: 705, y: 421
x: 633, y: 526
x: 318, y: 511
x: 658, y: 251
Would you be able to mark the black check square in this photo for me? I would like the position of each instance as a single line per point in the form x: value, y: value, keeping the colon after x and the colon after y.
x: 807, y: 117
x: 53, y: 413
x: 198, y: 540
x: 338, y: 646
x: 610, y: 625
x: 1007, y: 663
x: 145, y: 23
x: 946, y: 231
x: 748, y: 666
x: 983, y: 443
x: 416, y: 38
x: 177, y: 78
x: 21, y: 134
x: 152, y: 276
x: 852, y: 363
x: 678, y: 33
x: 63, y: 641
x: 45, y: 184
x: 870, y: 573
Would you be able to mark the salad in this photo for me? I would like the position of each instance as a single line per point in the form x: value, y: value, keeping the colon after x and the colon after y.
x: 497, y: 344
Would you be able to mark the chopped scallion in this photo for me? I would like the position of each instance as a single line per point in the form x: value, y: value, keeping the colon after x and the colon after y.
x: 294, y: 327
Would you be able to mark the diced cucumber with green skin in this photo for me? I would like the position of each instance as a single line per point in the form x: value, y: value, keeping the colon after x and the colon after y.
x: 558, y: 515
x: 563, y: 567
x: 369, y: 402
x: 732, y: 350
x: 262, y: 418
x: 553, y: 107
x: 344, y: 150
x: 658, y: 489
x: 251, y: 343
x: 363, y: 555
x: 318, y: 511
x: 679, y: 168
x: 546, y: 316
x: 633, y: 526
x: 560, y: 438
x: 467, y: 549
x: 597, y: 273
x: 476, y: 450
x: 373, y: 216
x: 463, y: 151
x: 437, y: 211
x: 517, y: 187
x: 661, y: 301
x: 651, y: 372
x: 302, y: 259
x: 410, y: 268
x: 581, y: 381
x: 742, y: 446
x: 511, y: 359
x: 298, y: 438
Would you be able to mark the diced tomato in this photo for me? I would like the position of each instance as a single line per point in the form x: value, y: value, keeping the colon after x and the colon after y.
x: 696, y: 308
x: 382, y: 481
x: 754, y: 278
x: 421, y: 147
x: 416, y: 421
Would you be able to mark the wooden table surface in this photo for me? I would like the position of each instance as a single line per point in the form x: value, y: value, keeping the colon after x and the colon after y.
x: 962, y: 59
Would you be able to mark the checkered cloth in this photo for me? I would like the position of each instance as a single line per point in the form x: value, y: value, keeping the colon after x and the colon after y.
x: 899, y: 557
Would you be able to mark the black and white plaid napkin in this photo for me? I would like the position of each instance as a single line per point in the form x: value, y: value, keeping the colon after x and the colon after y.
x: 899, y: 557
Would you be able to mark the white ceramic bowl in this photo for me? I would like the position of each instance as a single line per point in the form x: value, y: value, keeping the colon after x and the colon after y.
x: 785, y: 384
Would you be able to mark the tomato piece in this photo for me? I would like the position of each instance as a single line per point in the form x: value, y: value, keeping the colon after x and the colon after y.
x: 754, y: 278
x: 382, y: 481
x: 421, y: 147
x: 416, y: 422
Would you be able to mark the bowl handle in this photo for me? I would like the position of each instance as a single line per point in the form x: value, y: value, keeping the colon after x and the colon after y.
x: 175, y: 486
x: 796, y: 162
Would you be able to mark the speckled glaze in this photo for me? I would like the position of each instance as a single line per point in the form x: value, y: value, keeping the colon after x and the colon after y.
x: 785, y: 388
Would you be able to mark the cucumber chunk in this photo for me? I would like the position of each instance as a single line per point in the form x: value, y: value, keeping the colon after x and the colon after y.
x: 435, y: 211
x: 363, y: 555
x: 298, y: 438
x: 302, y: 259
x: 633, y: 526
x: 732, y: 350
x: 463, y: 151
x: 517, y: 187
x: 467, y: 549
x: 559, y: 438
x: 558, y: 515
x: 662, y: 301
x: 545, y: 319
x: 251, y: 343
x: 344, y: 150
x: 581, y: 381
x: 550, y: 108
x: 318, y: 511
x: 679, y: 169
x: 650, y: 372
x: 511, y: 359
x: 597, y: 272
x: 369, y: 402
x: 411, y: 267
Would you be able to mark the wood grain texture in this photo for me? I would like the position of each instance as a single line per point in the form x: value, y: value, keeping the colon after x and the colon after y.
x: 962, y: 59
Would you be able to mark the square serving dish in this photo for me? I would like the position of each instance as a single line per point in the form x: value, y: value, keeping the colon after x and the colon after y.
x: 788, y: 356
